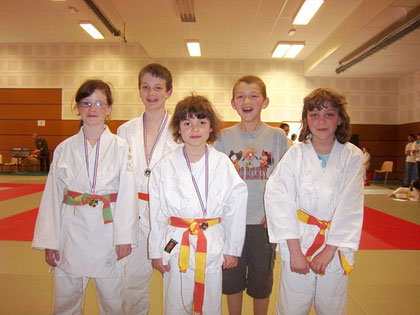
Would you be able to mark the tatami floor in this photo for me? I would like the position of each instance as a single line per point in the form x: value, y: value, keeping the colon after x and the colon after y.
x: 386, y: 279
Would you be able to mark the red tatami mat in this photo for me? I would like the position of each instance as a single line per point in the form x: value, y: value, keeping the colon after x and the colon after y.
x: 380, y: 230
x: 19, y: 190
x: 384, y: 231
x: 19, y: 227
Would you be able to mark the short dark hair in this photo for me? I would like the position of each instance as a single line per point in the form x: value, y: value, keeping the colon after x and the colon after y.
x: 284, y: 125
x: 248, y: 79
x: 320, y: 98
x: 200, y: 107
x: 159, y: 71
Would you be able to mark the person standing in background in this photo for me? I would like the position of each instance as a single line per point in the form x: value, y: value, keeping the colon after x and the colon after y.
x: 366, y: 164
x: 416, y: 152
x: 286, y: 129
x: 42, y: 152
x: 410, y: 161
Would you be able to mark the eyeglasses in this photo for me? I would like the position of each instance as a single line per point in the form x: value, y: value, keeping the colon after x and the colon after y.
x: 87, y: 104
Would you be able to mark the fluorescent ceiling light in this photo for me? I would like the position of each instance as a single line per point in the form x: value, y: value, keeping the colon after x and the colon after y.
x: 280, y: 50
x: 307, y: 11
x: 194, y: 48
x: 91, y: 30
x: 293, y: 51
x: 287, y: 49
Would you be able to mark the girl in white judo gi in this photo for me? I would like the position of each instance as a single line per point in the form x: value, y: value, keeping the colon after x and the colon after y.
x: 87, y: 220
x: 197, y: 213
x: 314, y: 208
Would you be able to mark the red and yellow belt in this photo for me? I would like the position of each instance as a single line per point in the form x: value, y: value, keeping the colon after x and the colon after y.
x: 320, y: 238
x: 194, y: 227
x: 74, y: 198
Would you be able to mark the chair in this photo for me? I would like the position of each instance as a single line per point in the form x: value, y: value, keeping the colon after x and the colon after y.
x: 29, y: 162
x: 13, y: 162
x: 386, y: 168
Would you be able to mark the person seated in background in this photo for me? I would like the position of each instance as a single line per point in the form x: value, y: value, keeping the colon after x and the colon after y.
x: 412, y: 193
x: 42, y: 152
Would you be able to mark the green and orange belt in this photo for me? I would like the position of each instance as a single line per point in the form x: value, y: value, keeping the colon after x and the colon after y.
x: 194, y: 227
x: 320, y: 238
x: 74, y: 198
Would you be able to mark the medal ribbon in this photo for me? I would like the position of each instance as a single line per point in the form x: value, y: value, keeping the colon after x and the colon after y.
x: 197, y: 190
x: 74, y: 198
x: 95, y: 171
x: 161, y: 128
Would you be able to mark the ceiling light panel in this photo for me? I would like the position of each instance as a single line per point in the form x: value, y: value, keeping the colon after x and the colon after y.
x: 194, y: 48
x: 293, y: 50
x: 307, y: 11
x: 91, y: 30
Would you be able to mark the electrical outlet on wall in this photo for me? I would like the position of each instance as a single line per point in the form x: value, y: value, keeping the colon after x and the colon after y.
x: 41, y: 123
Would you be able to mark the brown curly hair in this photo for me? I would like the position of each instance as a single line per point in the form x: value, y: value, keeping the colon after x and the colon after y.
x: 200, y: 107
x: 320, y: 98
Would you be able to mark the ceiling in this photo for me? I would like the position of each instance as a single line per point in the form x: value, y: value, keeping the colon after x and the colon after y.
x: 229, y: 29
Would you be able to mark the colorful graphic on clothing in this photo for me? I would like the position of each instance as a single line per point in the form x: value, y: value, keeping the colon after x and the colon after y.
x: 253, y: 164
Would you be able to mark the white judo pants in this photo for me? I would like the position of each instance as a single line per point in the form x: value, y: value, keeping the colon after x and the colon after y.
x: 70, y: 292
x: 175, y: 297
x: 138, y: 273
x: 297, y: 293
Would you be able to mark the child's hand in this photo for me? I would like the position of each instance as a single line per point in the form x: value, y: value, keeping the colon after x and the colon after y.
x: 229, y: 261
x: 123, y: 251
x: 51, y: 256
x: 298, y: 262
x: 320, y: 262
x: 158, y: 264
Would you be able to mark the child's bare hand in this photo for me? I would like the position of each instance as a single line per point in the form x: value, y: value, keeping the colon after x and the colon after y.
x: 320, y: 262
x: 158, y: 264
x: 299, y: 264
x: 229, y: 261
x: 51, y: 256
x: 123, y: 251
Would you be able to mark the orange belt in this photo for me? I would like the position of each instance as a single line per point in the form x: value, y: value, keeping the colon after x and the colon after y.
x: 194, y: 227
x: 320, y: 238
x: 144, y: 197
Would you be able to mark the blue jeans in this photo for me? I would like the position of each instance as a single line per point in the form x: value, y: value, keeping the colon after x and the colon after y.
x: 410, y: 172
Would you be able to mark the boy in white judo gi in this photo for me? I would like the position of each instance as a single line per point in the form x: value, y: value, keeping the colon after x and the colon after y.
x: 197, y: 213
x: 149, y: 139
x: 87, y: 220
x: 314, y: 207
x: 255, y: 148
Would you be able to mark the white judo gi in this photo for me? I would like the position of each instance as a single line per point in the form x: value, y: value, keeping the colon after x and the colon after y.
x: 172, y: 194
x: 332, y: 194
x: 85, y: 243
x: 138, y: 271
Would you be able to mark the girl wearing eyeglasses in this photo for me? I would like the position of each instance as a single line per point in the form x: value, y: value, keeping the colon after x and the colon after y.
x: 87, y: 224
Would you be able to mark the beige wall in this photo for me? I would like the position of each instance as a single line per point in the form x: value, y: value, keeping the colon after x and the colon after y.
x: 66, y: 66
x: 409, y: 98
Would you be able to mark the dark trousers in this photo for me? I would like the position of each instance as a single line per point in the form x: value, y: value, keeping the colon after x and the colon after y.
x: 44, y: 163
